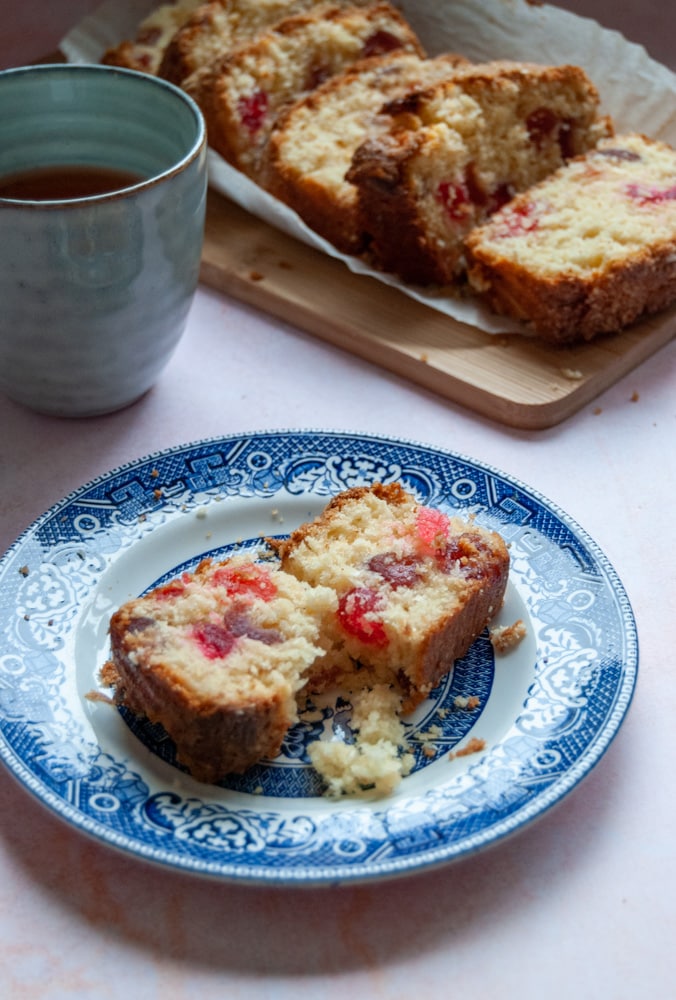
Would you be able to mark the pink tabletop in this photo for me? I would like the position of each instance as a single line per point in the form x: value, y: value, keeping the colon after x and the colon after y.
x: 580, y: 904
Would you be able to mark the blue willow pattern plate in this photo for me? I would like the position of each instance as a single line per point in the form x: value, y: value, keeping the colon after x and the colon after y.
x: 547, y: 710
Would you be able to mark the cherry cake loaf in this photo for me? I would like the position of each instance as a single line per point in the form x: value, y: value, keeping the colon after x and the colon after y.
x: 588, y: 250
x: 458, y: 151
x: 313, y: 141
x: 217, y: 657
x: 242, y: 94
x: 415, y: 587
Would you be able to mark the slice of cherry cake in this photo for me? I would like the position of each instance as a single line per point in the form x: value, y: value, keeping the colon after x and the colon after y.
x: 242, y: 94
x: 313, y: 140
x: 415, y: 587
x: 218, y: 657
x: 456, y: 152
x: 590, y: 249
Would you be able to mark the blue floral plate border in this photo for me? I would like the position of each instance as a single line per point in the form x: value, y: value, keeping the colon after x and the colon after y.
x: 547, y: 710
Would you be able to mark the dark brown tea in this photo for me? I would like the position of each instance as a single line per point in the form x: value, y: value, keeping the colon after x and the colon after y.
x: 64, y: 182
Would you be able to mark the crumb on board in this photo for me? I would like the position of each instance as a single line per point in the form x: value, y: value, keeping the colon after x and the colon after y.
x: 256, y: 276
x: 474, y: 745
x: 573, y: 374
x: 424, y: 357
x: 506, y: 637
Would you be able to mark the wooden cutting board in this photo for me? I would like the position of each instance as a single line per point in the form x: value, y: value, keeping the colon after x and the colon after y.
x: 512, y: 379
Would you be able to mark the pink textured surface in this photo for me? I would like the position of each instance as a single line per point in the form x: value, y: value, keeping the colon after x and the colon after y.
x: 579, y: 905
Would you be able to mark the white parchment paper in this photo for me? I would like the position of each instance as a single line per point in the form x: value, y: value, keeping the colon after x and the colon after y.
x: 638, y: 92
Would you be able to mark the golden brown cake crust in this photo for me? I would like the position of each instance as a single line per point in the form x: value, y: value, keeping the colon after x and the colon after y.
x: 212, y: 740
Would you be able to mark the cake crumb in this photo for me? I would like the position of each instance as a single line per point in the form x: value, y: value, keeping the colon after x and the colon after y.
x: 474, y: 745
x: 469, y: 702
x: 597, y: 410
x: 433, y: 733
x: 634, y: 398
x: 377, y: 760
x: 256, y: 276
x: 154, y: 473
x: 506, y: 637
x: 24, y: 570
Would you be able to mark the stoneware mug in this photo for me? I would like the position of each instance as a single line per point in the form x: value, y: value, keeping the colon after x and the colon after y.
x: 102, y: 201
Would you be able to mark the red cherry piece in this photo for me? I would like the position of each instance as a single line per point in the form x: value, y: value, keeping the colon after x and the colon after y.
x: 252, y: 110
x: 645, y: 195
x: 518, y: 220
x: 357, y: 615
x: 238, y: 624
x: 249, y: 580
x: 456, y: 200
x: 431, y: 527
x: 398, y: 571
x: 172, y: 589
x: 215, y: 641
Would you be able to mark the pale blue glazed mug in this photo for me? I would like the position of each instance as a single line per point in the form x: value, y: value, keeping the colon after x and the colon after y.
x: 95, y: 291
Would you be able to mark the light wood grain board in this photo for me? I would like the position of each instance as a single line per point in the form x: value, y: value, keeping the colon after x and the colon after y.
x: 515, y: 380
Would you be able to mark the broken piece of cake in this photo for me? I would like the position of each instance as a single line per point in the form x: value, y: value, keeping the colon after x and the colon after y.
x: 378, y: 596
